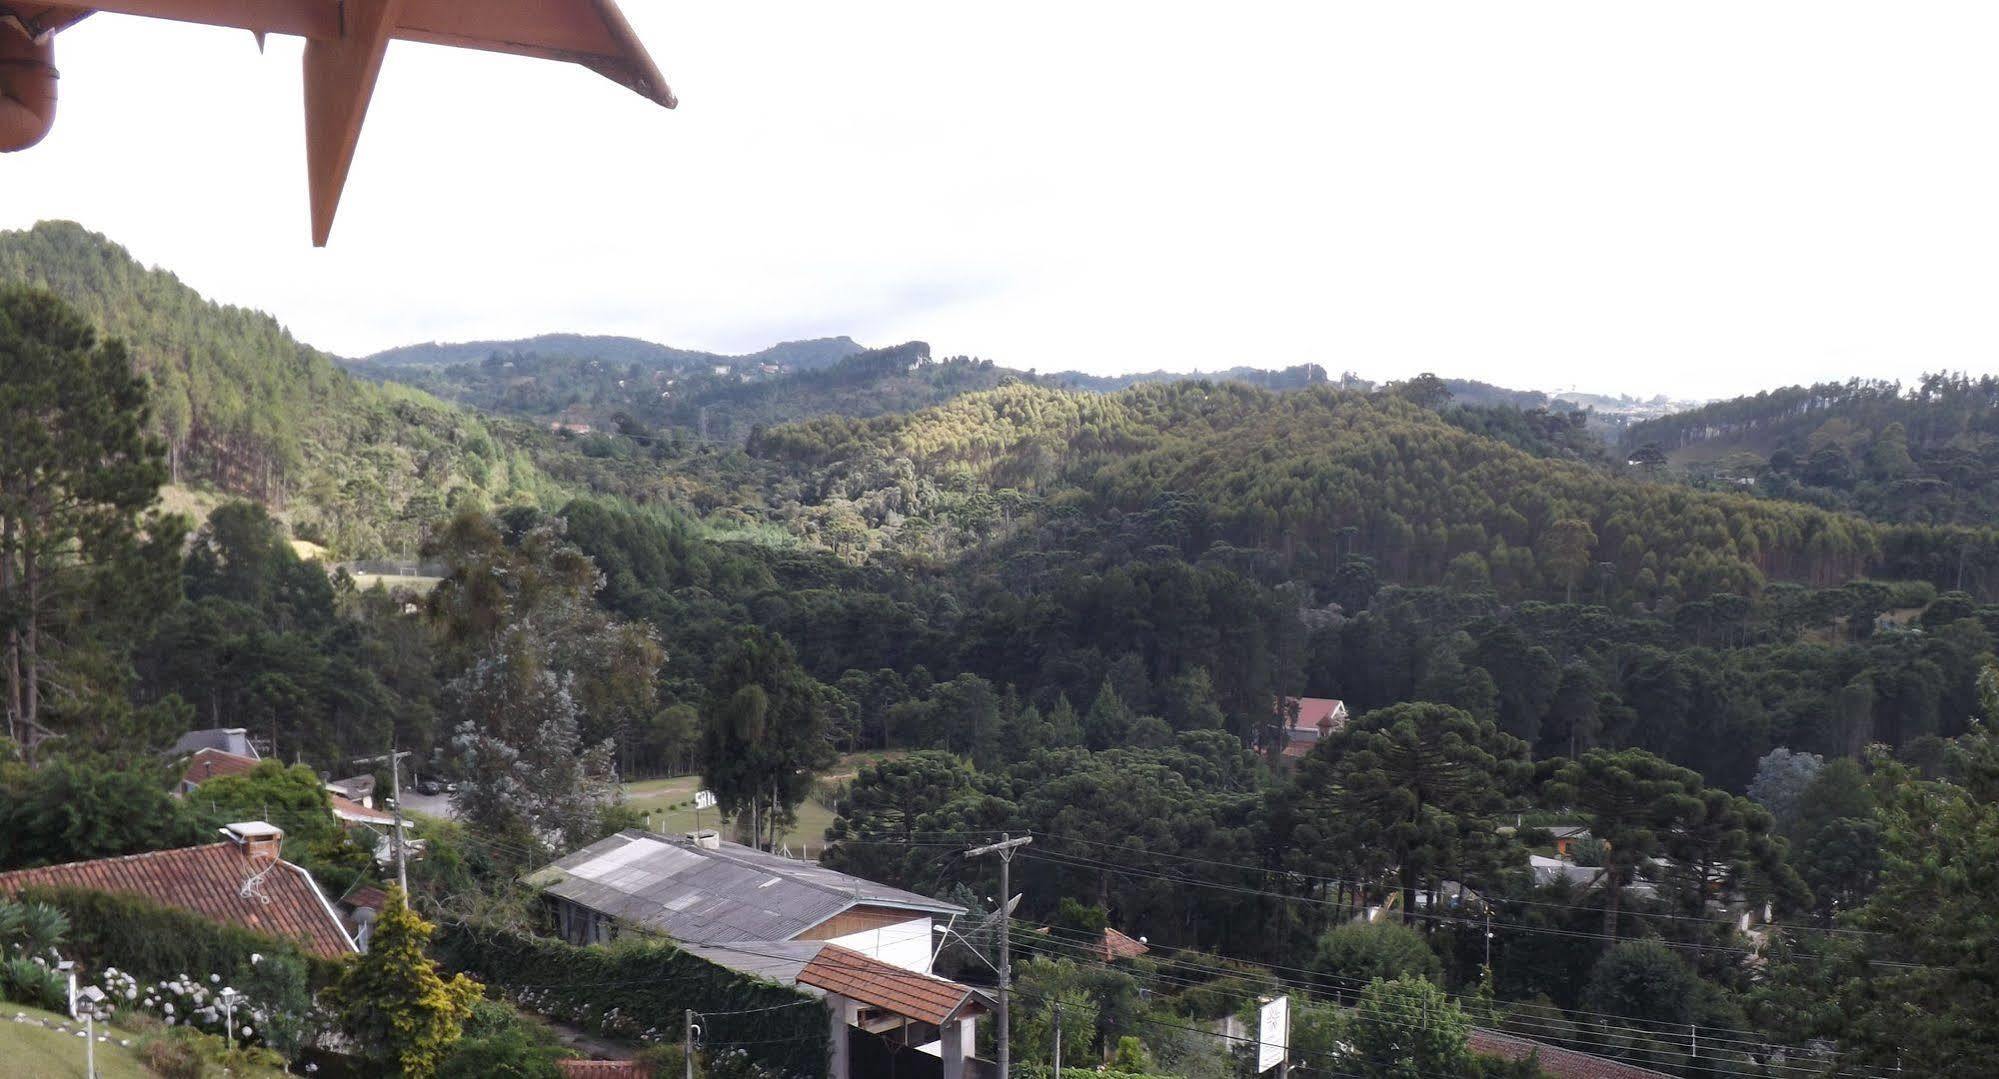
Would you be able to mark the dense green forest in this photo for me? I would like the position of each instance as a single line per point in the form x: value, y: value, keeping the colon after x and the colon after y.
x: 1059, y: 612
x: 249, y: 411
x: 1927, y: 453
x: 694, y: 402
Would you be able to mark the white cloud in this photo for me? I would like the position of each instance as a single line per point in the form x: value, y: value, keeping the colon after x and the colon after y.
x: 1698, y: 199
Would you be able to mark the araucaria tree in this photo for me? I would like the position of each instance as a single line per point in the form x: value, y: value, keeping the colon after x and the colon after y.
x: 1425, y: 784
x: 767, y: 732
x: 76, y: 472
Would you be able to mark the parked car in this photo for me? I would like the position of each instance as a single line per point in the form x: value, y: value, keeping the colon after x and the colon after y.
x: 430, y: 786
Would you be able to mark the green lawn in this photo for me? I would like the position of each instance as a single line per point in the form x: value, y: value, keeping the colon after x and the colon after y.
x: 668, y: 804
x: 31, y: 1049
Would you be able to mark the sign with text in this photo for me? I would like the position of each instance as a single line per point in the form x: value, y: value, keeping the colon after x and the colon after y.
x: 704, y: 799
x: 1273, y: 1037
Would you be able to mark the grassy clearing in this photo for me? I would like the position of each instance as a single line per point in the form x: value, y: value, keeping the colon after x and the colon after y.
x: 393, y: 581
x: 669, y: 804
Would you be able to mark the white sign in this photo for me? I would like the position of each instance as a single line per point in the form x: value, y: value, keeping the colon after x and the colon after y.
x: 1274, y: 1035
x: 704, y: 799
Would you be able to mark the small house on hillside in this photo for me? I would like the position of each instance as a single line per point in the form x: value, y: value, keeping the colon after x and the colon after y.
x: 240, y: 881
x: 699, y: 889
x: 232, y: 740
x: 1304, y: 721
x: 207, y: 764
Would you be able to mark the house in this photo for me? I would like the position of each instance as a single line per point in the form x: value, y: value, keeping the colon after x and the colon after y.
x: 1566, y: 837
x: 699, y: 889
x: 1111, y: 946
x: 882, y: 1019
x: 354, y: 788
x: 1306, y: 720
x: 240, y: 881
x: 207, y: 763
x: 235, y: 740
x: 562, y: 427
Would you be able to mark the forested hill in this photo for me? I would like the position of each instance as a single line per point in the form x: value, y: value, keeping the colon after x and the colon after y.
x: 247, y: 409
x: 1922, y: 453
x: 701, y: 402
x: 621, y: 351
x: 1318, y: 477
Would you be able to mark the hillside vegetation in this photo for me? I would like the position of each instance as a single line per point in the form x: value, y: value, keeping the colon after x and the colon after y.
x: 1318, y: 477
x: 247, y: 409
x: 1927, y: 453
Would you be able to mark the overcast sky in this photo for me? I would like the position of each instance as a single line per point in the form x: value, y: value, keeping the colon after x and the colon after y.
x: 1697, y: 199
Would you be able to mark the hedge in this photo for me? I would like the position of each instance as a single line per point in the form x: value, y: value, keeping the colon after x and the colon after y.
x: 154, y: 942
x: 641, y: 989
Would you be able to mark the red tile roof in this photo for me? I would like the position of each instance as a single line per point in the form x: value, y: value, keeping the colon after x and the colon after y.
x: 1313, y: 711
x: 206, y: 764
x: 349, y: 809
x: 1118, y: 946
x: 1556, y: 1061
x: 207, y: 880
x: 922, y: 997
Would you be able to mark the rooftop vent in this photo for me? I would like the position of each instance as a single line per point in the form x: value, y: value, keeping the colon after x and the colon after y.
x: 706, y: 839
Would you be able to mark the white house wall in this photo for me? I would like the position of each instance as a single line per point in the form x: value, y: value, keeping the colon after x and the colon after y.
x: 903, y: 944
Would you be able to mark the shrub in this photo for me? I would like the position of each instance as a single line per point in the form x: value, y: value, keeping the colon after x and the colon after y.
x: 1356, y: 953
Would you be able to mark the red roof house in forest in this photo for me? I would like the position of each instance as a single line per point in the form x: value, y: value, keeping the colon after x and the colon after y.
x: 1306, y: 720
x: 240, y: 881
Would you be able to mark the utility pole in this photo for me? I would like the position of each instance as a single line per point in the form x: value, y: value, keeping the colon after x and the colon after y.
x: 1488, y: 940
x: 687, y: 1046
x: 396, y: 796
x: 396, y: 799
x: 1058, y: 1039
x: 1004, y: 848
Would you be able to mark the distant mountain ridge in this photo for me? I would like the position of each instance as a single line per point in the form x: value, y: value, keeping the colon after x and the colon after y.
x: 798, y: 355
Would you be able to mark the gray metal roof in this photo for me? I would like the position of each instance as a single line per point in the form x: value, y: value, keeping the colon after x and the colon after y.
x: 777, y: 960
x: 732, y: 894
x: 227, y: 739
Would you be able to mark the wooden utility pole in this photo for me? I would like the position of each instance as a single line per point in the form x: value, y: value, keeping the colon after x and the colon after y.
x: 1004, y: 848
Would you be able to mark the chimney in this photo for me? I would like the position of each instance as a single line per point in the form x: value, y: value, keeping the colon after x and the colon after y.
x: 706, y: 839
x: 260, y: 840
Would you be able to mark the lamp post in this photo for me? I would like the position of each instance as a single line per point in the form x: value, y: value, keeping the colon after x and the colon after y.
x: 228, y: 995
x: 93, y: 1000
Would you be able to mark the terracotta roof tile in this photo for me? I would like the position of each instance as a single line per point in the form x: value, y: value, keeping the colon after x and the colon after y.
x: 206, y: 764
x: 922, y: 997
x: 1556, y: 1061
x: 207, y: 880
x: 351, y: 810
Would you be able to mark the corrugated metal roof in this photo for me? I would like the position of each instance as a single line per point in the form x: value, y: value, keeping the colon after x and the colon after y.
x: 712, y: 896
x: 234, y: 740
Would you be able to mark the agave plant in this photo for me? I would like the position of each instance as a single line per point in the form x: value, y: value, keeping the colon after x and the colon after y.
x: 43, y: 929
x: 34, y: 984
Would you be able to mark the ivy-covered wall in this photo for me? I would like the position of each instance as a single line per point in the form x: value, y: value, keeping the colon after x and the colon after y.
x: 153, y: 942
x: 642, y: 989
